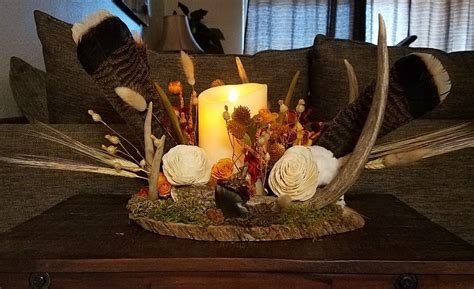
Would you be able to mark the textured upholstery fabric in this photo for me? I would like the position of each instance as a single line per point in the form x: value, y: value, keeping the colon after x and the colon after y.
x: 71, y: 91
x: 440, y: 188
x: 274, y: 68
x: 329, y: 84
x: 28, y: 85
x: 28, y: 191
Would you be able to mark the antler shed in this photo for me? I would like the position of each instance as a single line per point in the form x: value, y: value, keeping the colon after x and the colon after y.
x: 351, y: 171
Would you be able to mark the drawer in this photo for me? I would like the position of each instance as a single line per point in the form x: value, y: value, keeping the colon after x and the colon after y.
x: 234, y: 280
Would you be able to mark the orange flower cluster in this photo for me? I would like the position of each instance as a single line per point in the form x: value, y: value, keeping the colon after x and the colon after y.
x: 184, y: 113
x: 267, y: 116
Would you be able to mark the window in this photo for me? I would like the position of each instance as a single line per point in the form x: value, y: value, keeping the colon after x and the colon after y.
x: 284, y: 24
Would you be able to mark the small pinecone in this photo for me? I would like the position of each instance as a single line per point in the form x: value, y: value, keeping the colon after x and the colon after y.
x: 217, y: 82
x: 236, y: 129
x: 215, y: 215
x: 276, y: 151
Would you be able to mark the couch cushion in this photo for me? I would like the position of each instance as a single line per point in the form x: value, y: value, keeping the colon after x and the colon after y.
x: 71, y: 91
x: 29, y: 192
x: 329, y: 85
x: 28, y: 86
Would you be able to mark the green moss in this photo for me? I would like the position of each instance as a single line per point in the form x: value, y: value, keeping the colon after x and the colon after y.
x: 167, y: 210
x: 194, y: 212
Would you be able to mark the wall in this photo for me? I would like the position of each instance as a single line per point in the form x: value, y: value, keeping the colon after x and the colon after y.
x: 18, y: 30
x: 18, y: 35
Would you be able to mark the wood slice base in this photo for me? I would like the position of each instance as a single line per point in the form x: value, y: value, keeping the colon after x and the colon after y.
x: 349, y: 220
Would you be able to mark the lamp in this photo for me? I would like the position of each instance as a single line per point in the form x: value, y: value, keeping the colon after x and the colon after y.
x: 177, y: 35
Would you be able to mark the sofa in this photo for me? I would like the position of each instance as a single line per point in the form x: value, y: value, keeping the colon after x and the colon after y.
x: 440, y: 188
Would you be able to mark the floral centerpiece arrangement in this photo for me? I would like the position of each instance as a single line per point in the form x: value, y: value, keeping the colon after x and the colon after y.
x: 221, y: 165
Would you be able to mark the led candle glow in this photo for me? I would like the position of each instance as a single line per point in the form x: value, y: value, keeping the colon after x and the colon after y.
x: 213, y: 137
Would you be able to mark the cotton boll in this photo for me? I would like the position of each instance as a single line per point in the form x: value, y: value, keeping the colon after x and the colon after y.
x: 328, y: 165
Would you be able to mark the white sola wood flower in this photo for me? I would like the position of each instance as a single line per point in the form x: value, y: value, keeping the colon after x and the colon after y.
x: 186, y: 165
x: 295, y: 174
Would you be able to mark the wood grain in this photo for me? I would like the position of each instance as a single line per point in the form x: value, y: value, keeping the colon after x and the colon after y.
x: 92, y: 233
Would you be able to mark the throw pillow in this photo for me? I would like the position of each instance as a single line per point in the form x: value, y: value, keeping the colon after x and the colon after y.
x: 28, y: 88
x: 71, y: 91
x: 329, y: 85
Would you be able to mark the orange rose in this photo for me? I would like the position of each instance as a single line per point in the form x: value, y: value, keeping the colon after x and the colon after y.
x: 267, y: 115
x: 164, y: 187
x: 223, y: 169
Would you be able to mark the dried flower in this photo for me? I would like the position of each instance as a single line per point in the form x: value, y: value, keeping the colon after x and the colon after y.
x: 215, y: 215
x: 223, y: 169
x: 267, y: 115
x: 282, y: 134
x: 236, y: 129
x: 143, y: 193
x: 164, y: 187
x: 300, y: 107
x: 131, y: 97
x: 110, y: 149
x: 217, y: 82
x: 95, y: 116
x: 112, y: 139
x: 175, y: 87
x: 276, y: 151
x: 302, y: 136
x: 283, y: 107
x: 188, y: 68
x: 267, y: 157
x: 241, y: 114
x: 291, y: 117
x: 253, y: 167
x: 257, y: 118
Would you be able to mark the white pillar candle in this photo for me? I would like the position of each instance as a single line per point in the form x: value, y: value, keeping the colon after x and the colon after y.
x: 213, y: 137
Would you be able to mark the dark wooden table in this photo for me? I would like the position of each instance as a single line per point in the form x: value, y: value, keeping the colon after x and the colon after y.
x: 88, y: 242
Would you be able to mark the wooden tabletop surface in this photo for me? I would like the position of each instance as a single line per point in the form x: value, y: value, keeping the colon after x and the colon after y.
x: 92, y: 233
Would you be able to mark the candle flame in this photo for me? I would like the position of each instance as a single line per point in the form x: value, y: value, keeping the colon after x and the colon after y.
x: 233, y: 95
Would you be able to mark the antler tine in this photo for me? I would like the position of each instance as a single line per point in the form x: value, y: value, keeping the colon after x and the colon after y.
x: 355, y: 164
x: 353, y: 84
